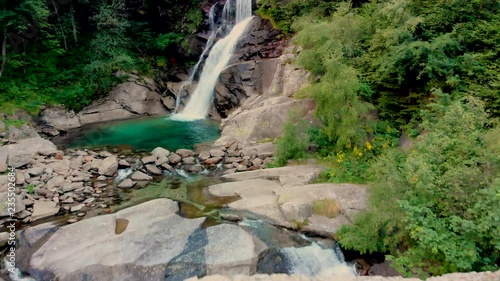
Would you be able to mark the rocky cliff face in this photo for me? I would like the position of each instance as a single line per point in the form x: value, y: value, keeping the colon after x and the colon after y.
x: 265, y: 105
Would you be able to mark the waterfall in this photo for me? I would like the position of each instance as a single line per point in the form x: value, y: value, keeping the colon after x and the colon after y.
x: 201, y: 99
x: 314, y: 260
x: 210, y: 42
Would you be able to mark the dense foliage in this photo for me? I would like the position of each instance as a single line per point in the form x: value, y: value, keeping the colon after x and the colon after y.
x: 428, y: 69
x: 65, y: 51
x: 437, y: 207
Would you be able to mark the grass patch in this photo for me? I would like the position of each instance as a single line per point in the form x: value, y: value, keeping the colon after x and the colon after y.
x: 326, y: 207
x: 31, y: 188
x: 13, y: 122
x: 297, y: 225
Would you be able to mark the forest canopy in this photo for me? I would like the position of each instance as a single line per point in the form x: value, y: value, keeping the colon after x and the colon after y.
x: 65, y: 51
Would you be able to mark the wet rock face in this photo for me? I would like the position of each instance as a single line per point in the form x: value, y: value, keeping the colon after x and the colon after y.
x: 261, y: 41
x: 240, y: 81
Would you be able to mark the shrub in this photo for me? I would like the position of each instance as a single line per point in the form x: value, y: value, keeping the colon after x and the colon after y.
x: 293, y: 142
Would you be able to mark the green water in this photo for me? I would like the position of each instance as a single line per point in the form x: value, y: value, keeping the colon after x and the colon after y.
x: 146, y: 134
x: 194, y: 202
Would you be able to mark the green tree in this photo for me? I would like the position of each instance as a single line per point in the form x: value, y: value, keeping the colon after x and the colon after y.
x: 439, y: 204
x: 340, y: 95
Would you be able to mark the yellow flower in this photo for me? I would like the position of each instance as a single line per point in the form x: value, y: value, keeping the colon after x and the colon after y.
x: 357, y: 152
x: 414, y: 179
x: 384, y: 146
x: 340, y: 157
x: 369, y: 146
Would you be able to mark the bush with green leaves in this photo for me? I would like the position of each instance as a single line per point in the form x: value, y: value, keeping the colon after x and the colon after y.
x: 293, y: 142
x: 436, y: 209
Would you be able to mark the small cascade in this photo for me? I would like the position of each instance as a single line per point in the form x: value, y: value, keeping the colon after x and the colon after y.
x: 123, y: 174
x: 315, y: 260
x: 226, y: 12
x: 182, y: 173
x: 243, y: 10
x: 220, y: 55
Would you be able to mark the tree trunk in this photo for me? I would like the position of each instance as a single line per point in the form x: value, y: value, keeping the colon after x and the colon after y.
x: 73, y: 24
x: 4, y: 51
x: 60, y: 26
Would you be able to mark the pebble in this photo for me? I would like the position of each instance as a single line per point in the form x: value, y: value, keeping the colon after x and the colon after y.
x: 71, y: 221
x: 230, y: 217
x: 77, y: 208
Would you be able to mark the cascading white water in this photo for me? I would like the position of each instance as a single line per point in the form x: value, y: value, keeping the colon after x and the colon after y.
x: 226, y: 12
x: 200, y: 101
x: 314, y: 260
x: 210, y: 42
x: 243, y: 10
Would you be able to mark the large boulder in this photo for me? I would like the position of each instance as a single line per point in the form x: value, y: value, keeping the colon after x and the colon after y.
x: 285, y: 197
x: 279, y: 173
x: 288, y: 78
x: 130, y: 99
x: 21, y: 153
x: 145, y: 242
x: 60, y: 118
x: 239, y: 258
x: 24, y: 132
x: 265, y: 121
x: 108, y: 166
x: 133, y: 244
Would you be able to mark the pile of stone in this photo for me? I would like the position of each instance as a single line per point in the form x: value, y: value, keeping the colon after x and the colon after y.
x: 82, y: 182
x: 231, y: 158
x: 49, y: 182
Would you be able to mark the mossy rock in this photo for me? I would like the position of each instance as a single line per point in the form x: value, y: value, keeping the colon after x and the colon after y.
x: 326, y: 207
